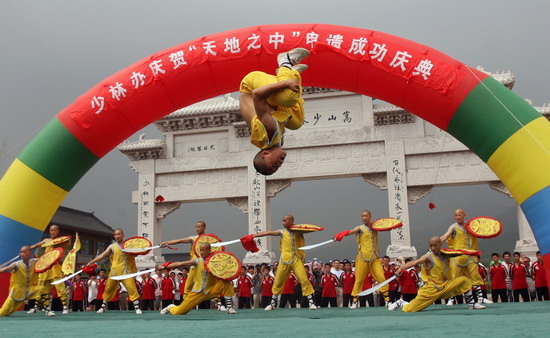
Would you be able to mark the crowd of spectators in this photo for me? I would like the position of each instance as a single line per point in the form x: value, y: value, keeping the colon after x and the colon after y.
x: 509, y: 278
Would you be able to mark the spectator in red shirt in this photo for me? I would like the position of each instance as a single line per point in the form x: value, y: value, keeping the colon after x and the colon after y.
x: 498, y: 280
x: 288, y: 295
x: 329, y: 283
x: 244, y: 290
x: 507, y: 263
x: 348, y: 280
x: 148, y: 286
x: 389, y: 272
x: 367, y: 284
x: 101, y: 282
x: 178, y: 296
x: 303, y: 299
x: 267, y: 284
x: 183, y: 281
x: 408, y: 280
x: 539, y: 273
x: 483, y: 273
x: 167, y: 288
x: 79, y: 290
x: 114, y: 304
x: 519, y: 279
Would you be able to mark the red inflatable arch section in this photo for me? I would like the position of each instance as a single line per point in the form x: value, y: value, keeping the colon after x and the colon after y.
x: 341, y: 57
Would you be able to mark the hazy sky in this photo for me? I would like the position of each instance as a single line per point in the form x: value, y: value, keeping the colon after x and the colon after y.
x: 53, y: 51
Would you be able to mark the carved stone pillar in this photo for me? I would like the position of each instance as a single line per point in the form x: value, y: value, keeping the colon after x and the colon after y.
x: 398, y: 200
x: 527, y: 244
x: 259, y: 217
x: 149, y: 226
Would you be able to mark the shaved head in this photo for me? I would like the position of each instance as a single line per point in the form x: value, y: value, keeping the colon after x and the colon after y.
x: 205, y: 249
x: 435, y: 240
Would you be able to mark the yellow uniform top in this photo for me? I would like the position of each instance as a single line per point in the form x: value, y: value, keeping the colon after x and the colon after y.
x: 202, y: 278
x: 462, y: 239
x: 22, y: 278
x: 367, y: 240
x: 55, y: 271
x: 436, y: 270
x: 259, y: 136
x: 290, y: 242
x: 192, y: 252
x: 121, y: 262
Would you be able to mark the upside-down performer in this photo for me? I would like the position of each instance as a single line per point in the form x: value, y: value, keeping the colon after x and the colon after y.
x: 121, y: 264
x: 54, y: 273
x: 21, y: 281
x: 205, y: 285
x: 367, y: 259
x: 292, y: 260
x: 437, y: 282
x: 271, y: 103
x: 459, y: 238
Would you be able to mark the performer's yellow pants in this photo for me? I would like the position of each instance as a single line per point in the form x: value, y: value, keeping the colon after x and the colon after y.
x: 285, y: 100
x: 283, y: 271
x: 10, y: 306
x: 190, y: 279
x: 376, y: 270
x: 429, y: 293
x: 111, y: 288
x: 45, y: 287
x: 192, y: 299
x: 466, y: 266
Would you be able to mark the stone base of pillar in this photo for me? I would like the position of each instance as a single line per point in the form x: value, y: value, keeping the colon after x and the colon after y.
x: 395, y: 251
x: 148, y: 261
x: 262, y: 256
x: 528, y: 247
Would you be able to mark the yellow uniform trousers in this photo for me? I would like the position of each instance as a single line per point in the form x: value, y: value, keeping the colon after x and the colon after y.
x: 111, y: 288
x: 190, y: 279
x: 45, y: 287
x: 376, y: 270
x: 431, y: 292
x: 10, y: 306
x: 192, y: 299
x: 466, y: 266
x: 283, y: 271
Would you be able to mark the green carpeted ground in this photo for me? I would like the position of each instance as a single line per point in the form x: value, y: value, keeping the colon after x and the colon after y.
x: 498, y: 320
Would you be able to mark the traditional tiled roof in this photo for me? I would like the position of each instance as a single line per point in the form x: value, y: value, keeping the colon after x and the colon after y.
x: 217, y: 105
x: 176, y: 257
x: 81, y: 221
x: 142, y: 145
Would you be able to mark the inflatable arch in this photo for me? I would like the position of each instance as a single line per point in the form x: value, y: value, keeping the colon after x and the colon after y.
x: 500, y: 127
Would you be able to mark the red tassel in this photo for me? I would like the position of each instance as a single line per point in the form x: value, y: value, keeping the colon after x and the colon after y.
x: 432, y: 205
x: 249, y: 243
x: 159, y: 199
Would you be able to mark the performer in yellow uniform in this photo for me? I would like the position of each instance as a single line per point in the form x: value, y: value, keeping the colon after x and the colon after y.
x: 269, y: 104
x: 204, y: 286
x: 458, y: 237
x: 200, y: 227
x: 437, y: 282
x: 54, y: 273
x: 292, y: 259
x: 367, y: 259
x: 21, y: 281
x: 121, y: 264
